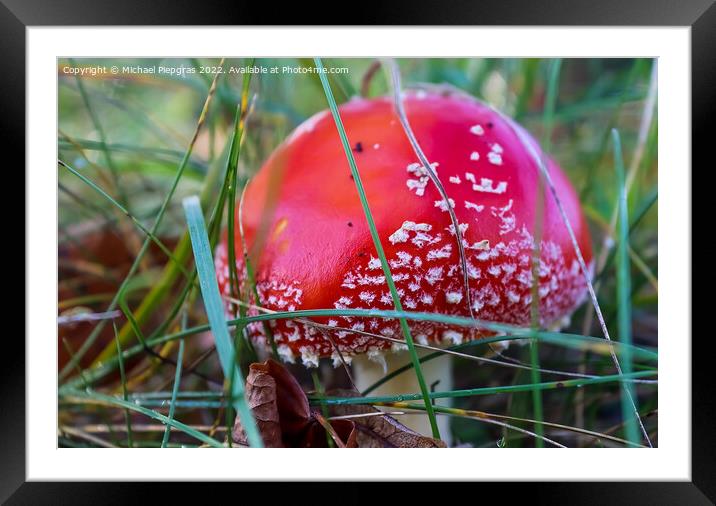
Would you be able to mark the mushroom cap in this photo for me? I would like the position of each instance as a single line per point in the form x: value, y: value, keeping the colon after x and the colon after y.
x: 310, y: 246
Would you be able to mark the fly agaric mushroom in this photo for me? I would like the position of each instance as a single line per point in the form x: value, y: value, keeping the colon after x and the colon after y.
x: 310, y: 246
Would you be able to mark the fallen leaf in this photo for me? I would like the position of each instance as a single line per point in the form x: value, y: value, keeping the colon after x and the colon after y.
x: 380, y: 431
x: 277, y: 403
x: 342, y: 432
x: 285, y: 419
x: 282, y: 413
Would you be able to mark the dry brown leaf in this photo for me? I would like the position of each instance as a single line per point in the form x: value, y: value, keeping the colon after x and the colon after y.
x: 277, y: 402
x: 283, y: 416
x: 342, y: 432
x: 285, y: 419
x: 380, y: 431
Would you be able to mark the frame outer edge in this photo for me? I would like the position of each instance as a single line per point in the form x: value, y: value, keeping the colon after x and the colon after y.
x: 703, y: 110
x: 12, y: 372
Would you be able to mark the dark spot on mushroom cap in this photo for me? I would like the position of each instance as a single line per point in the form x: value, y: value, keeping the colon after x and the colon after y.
x: 490, y: 124
x: 350, y: 224
x: 358, y: 148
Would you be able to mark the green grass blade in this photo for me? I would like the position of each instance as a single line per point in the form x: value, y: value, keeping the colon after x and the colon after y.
x: 251, y: 278
x: 215, y: 312
x: 172, y: 404
x: 233, y: 181
x: 624, y: 294
x: 125, y: 395
x: 550, y: 385
x: 457, y: 348
x: 180, y: 395
x: 405, y: 123
x: 129, y: 215
x: 133, y: 323
x: 344, y: 90
x: 232, y: 170
x: 481, y: 415
x: 575, y: 341
x: 196, y: 168
x: 320, y: 391
x: 571, y: 341
x: 636, y: 217
x: 377, y: 244
x: 582, y: 264
x: 92, y: 397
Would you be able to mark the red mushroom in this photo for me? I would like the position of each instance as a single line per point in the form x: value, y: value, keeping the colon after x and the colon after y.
x: 311, y: 247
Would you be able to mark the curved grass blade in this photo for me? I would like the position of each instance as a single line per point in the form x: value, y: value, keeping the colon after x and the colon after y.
x: 92, y: 397
x: 196, y: 168
x: 473, y: 414
x: 215, y: 313
x: 377, y: 244
x: 437, y: 351
x: 480, y: 416
x: 453, y: 350
x: 511, y: 333
x: 576, y: 341
x: 549, y: 385
x: 403, y: 117
x: 129, y: 215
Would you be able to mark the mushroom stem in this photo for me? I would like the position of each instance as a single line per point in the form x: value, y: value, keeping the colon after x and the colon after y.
x: 437, y: 373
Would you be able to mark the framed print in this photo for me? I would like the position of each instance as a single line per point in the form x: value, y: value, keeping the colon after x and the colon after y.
x: 250, y: 246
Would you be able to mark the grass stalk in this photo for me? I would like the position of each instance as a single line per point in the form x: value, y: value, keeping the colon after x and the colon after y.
x: 251, y: 278
x: 175, y: 390
x: 125, y: 395
x: 378, y: 246
x: 215, y: 312
x: 482, y: 415
x: 549, y: 385
x: 318, y: 387
x: 93, y: 397
x: 511, y: 332
x: 233, y: 168
x: 129, y: 215
x: 628, y: 397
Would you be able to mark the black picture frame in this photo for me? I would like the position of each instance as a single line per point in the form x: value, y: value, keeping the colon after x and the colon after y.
x: 700, y: 15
